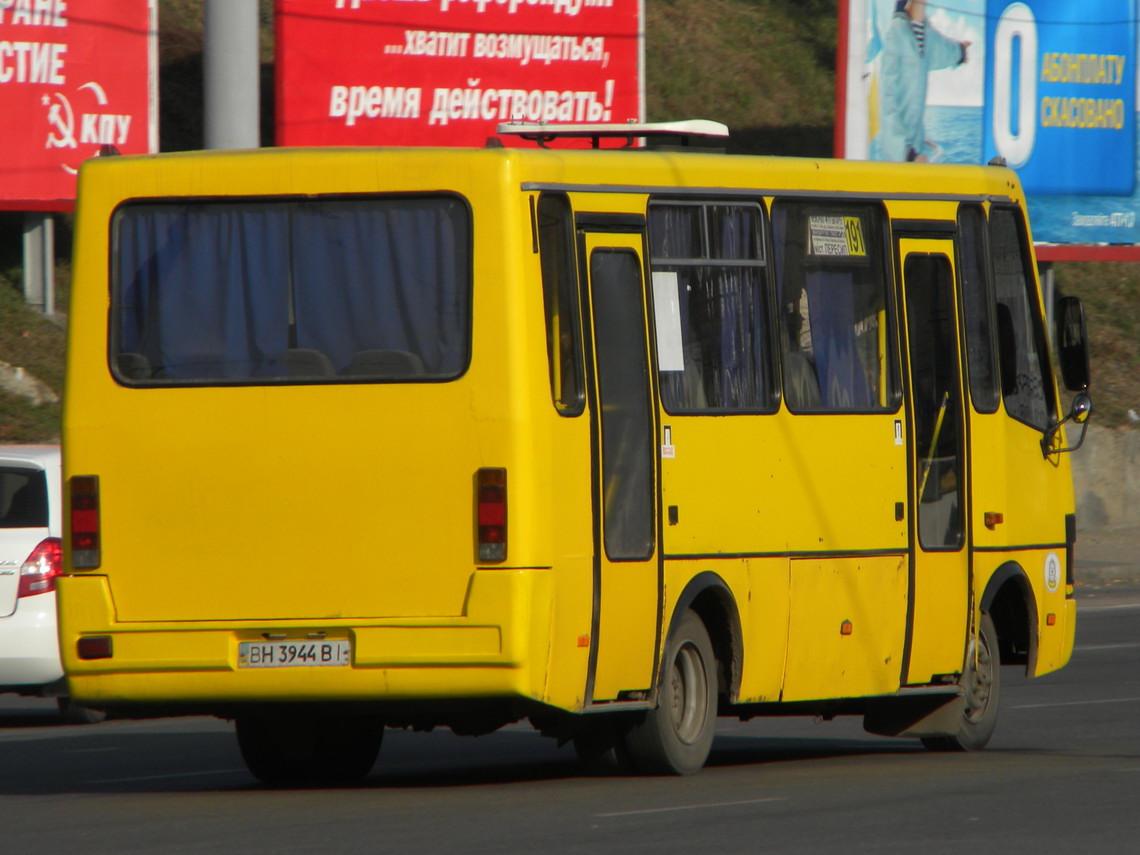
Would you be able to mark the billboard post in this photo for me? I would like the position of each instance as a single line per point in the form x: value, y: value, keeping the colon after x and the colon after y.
x: 39, y: 261
x: 230, y: 74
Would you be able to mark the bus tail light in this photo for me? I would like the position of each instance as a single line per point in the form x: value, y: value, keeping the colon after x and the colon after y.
x: 86, y: 548
x: 491, y: 514
x: 37, y: 575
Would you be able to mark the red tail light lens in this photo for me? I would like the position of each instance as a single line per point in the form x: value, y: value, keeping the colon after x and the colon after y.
x: 86, y: 548
x: 491, y: 514
x: 37, y: 575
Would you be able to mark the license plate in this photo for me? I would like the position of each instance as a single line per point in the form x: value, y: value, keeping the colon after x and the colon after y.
x: 298, y: 653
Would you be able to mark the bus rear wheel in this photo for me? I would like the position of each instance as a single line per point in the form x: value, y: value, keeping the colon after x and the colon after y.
x: 981, y: 685
x: 676, y: 737
x: 307, y: 748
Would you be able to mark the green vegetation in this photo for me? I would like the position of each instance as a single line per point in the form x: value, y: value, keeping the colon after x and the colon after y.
x: 1111, y: 294
x: 36, y: 344
x: 764, y: 67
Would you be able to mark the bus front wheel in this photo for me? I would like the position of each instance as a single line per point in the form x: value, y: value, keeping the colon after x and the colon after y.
x: 981, y: 685
x: 675, y: 738
x: 306, y: 748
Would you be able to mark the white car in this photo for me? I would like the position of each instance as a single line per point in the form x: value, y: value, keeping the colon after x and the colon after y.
x: 30, y: 559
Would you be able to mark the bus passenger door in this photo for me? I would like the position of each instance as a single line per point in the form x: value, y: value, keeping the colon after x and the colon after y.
x: 626, y: 611
x: 939, y: 601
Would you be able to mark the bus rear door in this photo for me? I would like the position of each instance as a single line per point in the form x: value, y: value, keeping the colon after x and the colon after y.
x: 626, y: 617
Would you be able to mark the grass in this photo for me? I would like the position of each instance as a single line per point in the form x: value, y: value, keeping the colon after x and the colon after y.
x: 36, y: 344
x: 764, y: 67
x: 1110, y: 292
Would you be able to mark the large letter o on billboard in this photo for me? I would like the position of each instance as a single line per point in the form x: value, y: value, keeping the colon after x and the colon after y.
x: 1015, y: 24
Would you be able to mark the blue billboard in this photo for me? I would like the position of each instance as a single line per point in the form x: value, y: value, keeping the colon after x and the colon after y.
x: 1048, y: 85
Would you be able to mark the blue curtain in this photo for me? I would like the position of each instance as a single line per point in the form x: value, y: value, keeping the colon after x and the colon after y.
x: 223, y: 291
x: 201, y: 293
x: 831, y: 303
x: 389, y: 277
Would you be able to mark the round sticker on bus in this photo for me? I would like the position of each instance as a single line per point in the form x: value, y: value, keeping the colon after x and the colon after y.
x: 1052, y: 572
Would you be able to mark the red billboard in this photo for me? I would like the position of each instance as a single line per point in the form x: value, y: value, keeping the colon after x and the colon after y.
x: 447, y: 72
x: 74, y: 75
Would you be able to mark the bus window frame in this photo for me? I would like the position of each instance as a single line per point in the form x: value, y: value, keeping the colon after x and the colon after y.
x: 568, y: 290
x: 990, y: 307
x: 882, y: 221
x: 769, y: 367
x: 1032, y: 293
x: 114, y: 291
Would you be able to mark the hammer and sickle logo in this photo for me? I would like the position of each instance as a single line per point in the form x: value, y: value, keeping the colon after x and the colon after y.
x: 62, y: 120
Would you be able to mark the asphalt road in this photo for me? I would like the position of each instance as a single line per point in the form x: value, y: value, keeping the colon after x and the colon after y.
x: 1062, y: 774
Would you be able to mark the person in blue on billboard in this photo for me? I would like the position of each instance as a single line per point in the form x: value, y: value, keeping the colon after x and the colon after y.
x: 911, y: 50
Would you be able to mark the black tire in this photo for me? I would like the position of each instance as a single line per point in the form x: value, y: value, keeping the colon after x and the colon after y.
x: 676, y: 737
x: 305, y: 748
x: 981, y: 683
x: 73, y: 713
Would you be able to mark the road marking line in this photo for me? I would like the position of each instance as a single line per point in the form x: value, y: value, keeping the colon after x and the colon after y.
x: 1082, y: 647
x: 1121, y: 607
x: 166, y: 777
x: 1076, y: 703
x: 691, y: 807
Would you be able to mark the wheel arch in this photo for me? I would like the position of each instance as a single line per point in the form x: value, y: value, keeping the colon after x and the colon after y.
x: 710, y: 597
x: 1012, y: 606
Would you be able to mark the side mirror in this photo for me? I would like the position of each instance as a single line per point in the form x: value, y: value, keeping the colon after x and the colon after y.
x: 1072, y: 345
x: 1082, y: 409
x: 1078, y: 414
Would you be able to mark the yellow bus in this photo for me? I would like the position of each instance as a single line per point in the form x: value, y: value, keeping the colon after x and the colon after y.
x: 616, y: 441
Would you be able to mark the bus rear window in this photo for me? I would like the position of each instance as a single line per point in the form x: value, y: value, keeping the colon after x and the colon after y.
x: 291, y: 291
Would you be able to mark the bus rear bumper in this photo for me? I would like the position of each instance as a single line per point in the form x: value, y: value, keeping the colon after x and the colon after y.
x: 497, y: 648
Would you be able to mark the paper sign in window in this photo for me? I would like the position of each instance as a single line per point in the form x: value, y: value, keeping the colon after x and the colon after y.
x: 667, y: 313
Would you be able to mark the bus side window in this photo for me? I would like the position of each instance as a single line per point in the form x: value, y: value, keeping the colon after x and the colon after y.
x: 837, y: 347
x: 1025, y: 381
x: 712, y: 307
x: 560, y: 298
x: 978, y: 309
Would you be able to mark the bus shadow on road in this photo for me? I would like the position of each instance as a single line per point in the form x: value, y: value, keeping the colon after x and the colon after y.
x: 201, y: 755
x: 767, y: 750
